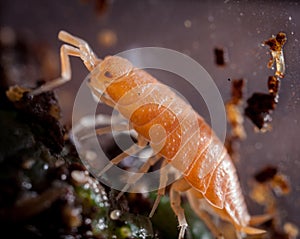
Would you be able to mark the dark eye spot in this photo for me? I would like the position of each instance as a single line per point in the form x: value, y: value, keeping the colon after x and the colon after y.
x: 108, y: 74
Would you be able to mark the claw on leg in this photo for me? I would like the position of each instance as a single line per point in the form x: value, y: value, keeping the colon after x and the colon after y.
x: 176, y: 188
x: 86, y: 53
x: 182, y: 231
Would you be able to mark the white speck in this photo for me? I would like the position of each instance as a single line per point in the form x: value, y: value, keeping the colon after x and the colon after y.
x: 290, y: 18
x: 26, y: 185
x: 115, y: 214
x: 88, y: 221
x: 187, y: 23
x: 79, y: 176
x: 101, y: 224
x: 63, y: 177
x: 292, y: 33
x: 241, y: 14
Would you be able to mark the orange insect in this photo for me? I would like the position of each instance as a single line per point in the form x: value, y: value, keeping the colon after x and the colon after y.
x: 174, y: 131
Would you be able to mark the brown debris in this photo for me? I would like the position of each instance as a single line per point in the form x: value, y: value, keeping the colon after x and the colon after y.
x: 266, y: 174
x: 269, y: 182
x: 259, y: 109
x: 234, y: 110
x: 237, y: 91
x: 281, y: 184
x: 221, y: 56
x: 261, y: 105
x: 15, y: 93
x: 276, y: 48
x: 45, y: 111
x: 274, y: 181
x: 276, y: 43
x: 235, y: 118
x: 273, y: 86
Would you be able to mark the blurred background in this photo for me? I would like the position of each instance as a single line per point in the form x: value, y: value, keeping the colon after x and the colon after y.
x: 194, y: 28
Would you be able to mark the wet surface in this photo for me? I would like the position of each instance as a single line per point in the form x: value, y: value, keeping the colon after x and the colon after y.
x: 196, y: 29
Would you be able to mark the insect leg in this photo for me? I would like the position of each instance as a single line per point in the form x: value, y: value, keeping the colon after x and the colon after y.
x: 109, y: 129
x: 65, y: 52
x: 194, y: 202
x: 132, y: 150
x: 106, y: 130
x: 176, y: 188
x: 162, y: 187
x: 86, y: 53
x: 85, y: 127
x: 133, y: 179
x: 70, y: 39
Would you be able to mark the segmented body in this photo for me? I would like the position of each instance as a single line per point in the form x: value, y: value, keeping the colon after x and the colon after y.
x: 180, y: 135
x: 171, y: 126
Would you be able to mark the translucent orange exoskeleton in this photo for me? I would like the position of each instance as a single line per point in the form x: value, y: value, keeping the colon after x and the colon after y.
x: 174, y: 131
